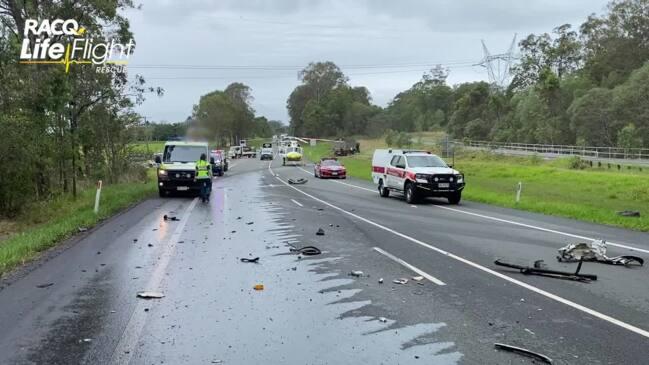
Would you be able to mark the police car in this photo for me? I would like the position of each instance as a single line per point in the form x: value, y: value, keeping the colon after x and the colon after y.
x: 416, y: 174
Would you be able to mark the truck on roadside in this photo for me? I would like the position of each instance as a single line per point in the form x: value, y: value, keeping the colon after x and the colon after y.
x: 416, y: 174
x: 177, y: 167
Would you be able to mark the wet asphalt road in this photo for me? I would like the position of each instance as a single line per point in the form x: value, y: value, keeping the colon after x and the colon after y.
x: 311, y: 311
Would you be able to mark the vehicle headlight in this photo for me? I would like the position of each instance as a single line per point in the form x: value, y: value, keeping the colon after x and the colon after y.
x: 162, y: 172
x: 460, y: 178
x: 421, y: 178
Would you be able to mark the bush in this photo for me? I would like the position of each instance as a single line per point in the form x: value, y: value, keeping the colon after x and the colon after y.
x: 576, y: 163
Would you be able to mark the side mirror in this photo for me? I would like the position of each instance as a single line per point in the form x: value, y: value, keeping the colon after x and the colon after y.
x: 158, y: 159
x: 212, y: 161
x: 450, y: 166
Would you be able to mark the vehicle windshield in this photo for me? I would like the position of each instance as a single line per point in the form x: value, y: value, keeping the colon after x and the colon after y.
x: 183, y: 153
x: 330, y: 163
x: 425, y: 161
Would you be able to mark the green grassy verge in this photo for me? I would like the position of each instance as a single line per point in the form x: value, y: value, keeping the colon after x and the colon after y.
x: 549, y: 187
x: 49, y: 223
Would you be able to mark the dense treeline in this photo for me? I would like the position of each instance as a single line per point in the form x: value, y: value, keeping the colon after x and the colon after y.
x: 61, y: 130
x: 226, y: 116
x: 587, y: 86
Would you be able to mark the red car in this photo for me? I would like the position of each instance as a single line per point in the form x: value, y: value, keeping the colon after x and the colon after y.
x: 329, y: 167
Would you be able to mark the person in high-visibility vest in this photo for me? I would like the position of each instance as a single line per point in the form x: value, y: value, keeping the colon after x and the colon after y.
x: 203, y: 177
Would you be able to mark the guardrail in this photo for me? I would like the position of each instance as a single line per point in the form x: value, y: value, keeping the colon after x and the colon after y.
x: 613, y: 153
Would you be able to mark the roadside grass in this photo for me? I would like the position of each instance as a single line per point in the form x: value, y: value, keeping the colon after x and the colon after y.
x: 47, y: 224
x: 549, y: 187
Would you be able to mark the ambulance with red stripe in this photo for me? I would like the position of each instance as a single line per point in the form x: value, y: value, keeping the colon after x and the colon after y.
x: 416, y: 175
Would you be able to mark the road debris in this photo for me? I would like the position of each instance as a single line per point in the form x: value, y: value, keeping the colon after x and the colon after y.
x: 258, y: 287
x: 307, y: 250
x: 169, y: 218
x: 82, y: 229
x: 320, y: 232
x: 150, y: 295
x: 254, y: 261
x: 86, y: 340
x: 356, y: 273
x: 46, y: 285
x: 249, y: 223
x: 380, y: 280
x: 299, y: 181
x: 402, y: 281
x: 550, y: 273
x: 150, y: 245
x: 417, y: 278
x: 383, y: 319
x: 595, y: 251
x: 628, y: 213
x: 522, y: 351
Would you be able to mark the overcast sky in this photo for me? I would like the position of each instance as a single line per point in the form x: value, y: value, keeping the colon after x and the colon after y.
x: 384, y: 45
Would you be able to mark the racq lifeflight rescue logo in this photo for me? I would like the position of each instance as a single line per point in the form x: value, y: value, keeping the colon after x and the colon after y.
x: 72, y: 47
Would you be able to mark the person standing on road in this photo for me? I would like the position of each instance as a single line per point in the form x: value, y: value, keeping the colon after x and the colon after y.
x: 203, y: 177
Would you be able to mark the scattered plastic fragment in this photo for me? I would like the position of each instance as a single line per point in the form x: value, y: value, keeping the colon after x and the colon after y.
x: 402, y: 281
x: 150, y: 295
x: 522, y: 351
x: 417, y: 278
x: 320, y: 232
x: 258, y: 287
x: 629, y: 213
x: 356, y: 273
x: 46, y: 285
x: 383, y: 319
x: 170, y: 218
x: 307, y: 250
x: 254, y: 261
x: 82, y: 229
x: 380, y: 280
x: 249, y: 223
x: 297, y: 181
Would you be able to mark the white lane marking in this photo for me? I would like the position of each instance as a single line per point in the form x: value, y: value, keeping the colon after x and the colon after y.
x: 532, y: 288
x: 615, y: 244
x: 297, y: 203
x: 413, y: 268
x: 130, y: 337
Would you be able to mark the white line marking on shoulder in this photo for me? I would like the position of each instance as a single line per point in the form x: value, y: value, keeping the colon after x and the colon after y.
x: 296, y: 202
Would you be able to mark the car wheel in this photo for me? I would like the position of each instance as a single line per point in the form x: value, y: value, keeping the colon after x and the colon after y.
x: 411, y: 193
x: 455, y: 198
x: 315, y: 174
x: 383, y: 191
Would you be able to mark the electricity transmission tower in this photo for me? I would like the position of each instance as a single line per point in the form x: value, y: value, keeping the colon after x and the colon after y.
x: 498, y: 65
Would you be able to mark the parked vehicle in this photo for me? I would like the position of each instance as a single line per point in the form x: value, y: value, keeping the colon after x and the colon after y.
x: 234, y: 152
x: 248, y: 152
x: 329, y: 167
x: 266, y: 152
x: 416, y: 174
x: 177, y: 167
x: 220, y: 162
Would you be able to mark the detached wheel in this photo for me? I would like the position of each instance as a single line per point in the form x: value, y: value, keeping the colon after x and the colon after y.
x: 455, y: 198
x: 383, y: 191
x: 411, y: 193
